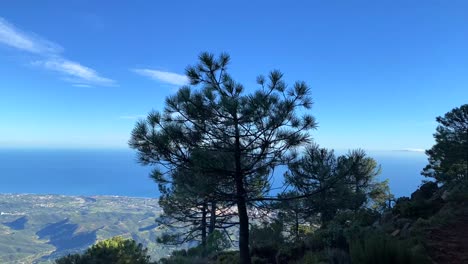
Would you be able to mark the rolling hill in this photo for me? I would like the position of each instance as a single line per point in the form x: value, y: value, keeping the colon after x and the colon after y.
x: 40, y: 228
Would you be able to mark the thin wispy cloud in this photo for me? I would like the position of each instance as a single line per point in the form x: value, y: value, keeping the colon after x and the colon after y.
x: 412, y: 150
x: 52, y: 58
x: 82, y: 85
x: 75, y: 72
x: 15, y: 38
x: 163, y: 76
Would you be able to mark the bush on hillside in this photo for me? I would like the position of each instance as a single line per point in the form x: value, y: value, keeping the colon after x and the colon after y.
x: 425, y: 191
x: 227, y: 257
x: 382, y: 248
x: 266, y: 240
x: 424, y: 202
x: 116, y: 250
x: 215, y: 244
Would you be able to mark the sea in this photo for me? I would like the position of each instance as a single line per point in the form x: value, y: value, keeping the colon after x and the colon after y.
x: 117, y: 172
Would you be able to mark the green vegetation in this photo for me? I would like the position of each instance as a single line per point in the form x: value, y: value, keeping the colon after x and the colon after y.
x: 116, y: 250
x: 213, y: 249
x: 382, y: 248
x: 214, y: 147
x: 330, y: 184
x: 448, y: 158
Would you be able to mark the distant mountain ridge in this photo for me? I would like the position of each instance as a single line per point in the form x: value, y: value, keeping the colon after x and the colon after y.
x: 40, y: 228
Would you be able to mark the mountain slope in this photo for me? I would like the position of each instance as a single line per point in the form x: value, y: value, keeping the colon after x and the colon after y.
x: 40, y: 228
x: 449, y: 243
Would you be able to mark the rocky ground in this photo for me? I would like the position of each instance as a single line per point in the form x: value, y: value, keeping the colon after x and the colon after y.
x: 449, y: 243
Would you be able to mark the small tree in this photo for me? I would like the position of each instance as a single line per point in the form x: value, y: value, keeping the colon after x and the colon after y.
x: 360, y: 172
x: 448, y: 158
x: 344, y: 182
x: 294, y: 213
x: 318, y: 170
x: 191, y: 211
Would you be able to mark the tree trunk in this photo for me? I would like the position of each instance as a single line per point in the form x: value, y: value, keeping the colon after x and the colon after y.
x: 296, y: 227
x: 241, y: 202
x: 212, y: 225
x: 203, y: 226
x: 243, y: 229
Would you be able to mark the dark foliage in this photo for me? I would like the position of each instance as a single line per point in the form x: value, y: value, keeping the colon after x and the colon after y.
x: 448, y: 158
x: 347, y: 182
x: 213, y: 250
x: 422, y: 204
x: 381, y: 248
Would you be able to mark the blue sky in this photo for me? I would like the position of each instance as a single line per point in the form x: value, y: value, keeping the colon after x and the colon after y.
x: 78, y: 74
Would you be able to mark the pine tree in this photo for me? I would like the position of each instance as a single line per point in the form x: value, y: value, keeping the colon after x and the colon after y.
x: 256, y: 131
x: 448, y: 158
x: 346, y: 182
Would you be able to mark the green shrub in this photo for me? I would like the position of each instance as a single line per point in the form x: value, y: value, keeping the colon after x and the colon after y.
x: 259, y: 260
x: 227, y: 257
x: 70, y: 259
x: 337, y: 256
x: 381, y: 248
x: 215, y: 243
x: 314, y: 242
x: 425, y: 192
x: 424, y: 202
x: 312, y: 258
x: 361, y: 217
x: 331, y: 237
x: 116, y: 250
x: 266, y: 240
x: 417, y: 208
x: 458, y: 194
x: 266, y: 252
x: 290, y: 252
x: 181, y: 258
x: 267, y: 234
